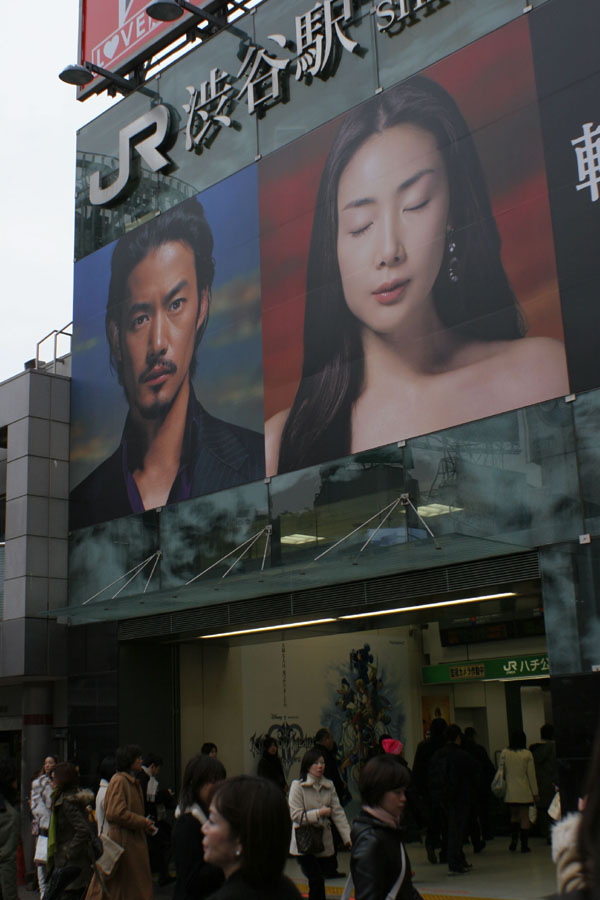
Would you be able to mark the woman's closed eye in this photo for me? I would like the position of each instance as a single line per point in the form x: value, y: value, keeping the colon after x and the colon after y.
x: 361, y: 229
x: 417, y: 206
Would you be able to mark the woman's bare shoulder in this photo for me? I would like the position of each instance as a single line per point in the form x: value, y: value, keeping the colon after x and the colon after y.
x: 541, y: 357
x: 273, y: 432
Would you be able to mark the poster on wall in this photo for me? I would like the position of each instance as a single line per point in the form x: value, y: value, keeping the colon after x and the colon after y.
x: 409, y: 281
x: 436, y: 706
x: 358, y: 689
x: 167, y: 399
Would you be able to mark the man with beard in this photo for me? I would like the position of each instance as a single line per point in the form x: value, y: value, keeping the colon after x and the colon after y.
x: 157, y: 311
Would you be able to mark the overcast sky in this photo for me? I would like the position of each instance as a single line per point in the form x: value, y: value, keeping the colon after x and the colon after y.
x: 40, y: 117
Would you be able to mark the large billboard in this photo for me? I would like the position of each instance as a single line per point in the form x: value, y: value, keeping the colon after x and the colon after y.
x: 167, y: 400
x: 426, y: 259
x: 409, y: 282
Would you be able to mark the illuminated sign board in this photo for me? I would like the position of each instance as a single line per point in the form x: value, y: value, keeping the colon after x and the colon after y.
x: 115, y: 34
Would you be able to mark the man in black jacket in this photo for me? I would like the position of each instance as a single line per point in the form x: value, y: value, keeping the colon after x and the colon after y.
x: 452, y: 780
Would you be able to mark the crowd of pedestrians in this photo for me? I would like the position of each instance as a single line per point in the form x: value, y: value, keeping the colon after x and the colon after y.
x: 229, y: 838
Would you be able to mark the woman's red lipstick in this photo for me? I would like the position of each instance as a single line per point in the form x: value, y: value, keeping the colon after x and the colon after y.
x: 390, y: 291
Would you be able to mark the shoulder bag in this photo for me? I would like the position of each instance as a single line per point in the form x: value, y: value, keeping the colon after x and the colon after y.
x: 498, y: 785
x: 309, y: 838
x: 106, y: 865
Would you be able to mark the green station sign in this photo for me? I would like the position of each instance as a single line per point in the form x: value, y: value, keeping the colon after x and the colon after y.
x: 475, y: 670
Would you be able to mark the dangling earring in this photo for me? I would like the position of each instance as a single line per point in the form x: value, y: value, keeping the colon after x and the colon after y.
x: 238, y: 852
x: 453, y: 261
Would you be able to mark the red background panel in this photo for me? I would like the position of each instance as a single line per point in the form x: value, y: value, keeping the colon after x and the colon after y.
x: 493, y: 82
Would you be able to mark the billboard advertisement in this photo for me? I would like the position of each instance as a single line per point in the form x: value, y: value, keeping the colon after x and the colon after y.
x: 409, y: 282
x: 167, y: 399
x: 424, y: 260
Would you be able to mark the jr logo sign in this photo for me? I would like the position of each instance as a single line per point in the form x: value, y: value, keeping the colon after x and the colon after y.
x: 145, y: 135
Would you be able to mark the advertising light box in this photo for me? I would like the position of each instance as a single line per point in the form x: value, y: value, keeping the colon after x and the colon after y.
x: 426, y: 259
x: 115, y: 34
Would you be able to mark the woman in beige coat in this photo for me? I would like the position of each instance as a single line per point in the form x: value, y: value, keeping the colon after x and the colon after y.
x: 313, y: 800
x: 127, y: 825
x: 521, y: 788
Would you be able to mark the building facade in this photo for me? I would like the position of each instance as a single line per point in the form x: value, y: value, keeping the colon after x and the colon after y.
x: 420, y: 536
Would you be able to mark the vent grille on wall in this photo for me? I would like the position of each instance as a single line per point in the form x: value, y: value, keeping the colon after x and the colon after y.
x: 337, y: 597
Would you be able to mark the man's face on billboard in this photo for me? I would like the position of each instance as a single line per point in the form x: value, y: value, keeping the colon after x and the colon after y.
x: 156, y: 337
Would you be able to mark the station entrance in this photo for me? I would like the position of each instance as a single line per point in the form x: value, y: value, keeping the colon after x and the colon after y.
x: 479, y: 660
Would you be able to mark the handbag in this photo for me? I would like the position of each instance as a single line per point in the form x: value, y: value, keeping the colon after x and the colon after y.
x: 498, y: 785
x: 533, y: 814
x: 106, y: 865
x: 40, y: 856
x: 309, y: 838
x: 392, y: 893
x: 111, y: 854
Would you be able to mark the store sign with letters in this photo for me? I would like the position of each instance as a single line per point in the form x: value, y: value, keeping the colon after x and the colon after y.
x: 488, y: 669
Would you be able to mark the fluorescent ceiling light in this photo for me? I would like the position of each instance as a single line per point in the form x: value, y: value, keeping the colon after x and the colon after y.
x: 300, y: 539
x: 281, y: 627
x: 387, y: 612
x: 437, y: 509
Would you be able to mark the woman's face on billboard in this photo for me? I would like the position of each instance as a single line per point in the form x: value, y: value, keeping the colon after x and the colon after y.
x: 393, y: 205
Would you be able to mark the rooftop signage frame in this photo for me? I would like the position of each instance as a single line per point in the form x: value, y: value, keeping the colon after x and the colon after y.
x: 119, y: 35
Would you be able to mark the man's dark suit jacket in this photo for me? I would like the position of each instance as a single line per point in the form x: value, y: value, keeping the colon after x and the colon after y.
x: 218, y: 455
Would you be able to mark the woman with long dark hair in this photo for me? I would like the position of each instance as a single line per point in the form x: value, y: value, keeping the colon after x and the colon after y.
x: 195, y: 877
x: 270, y: 765
x: 410, y: 322
x: 247, y: 835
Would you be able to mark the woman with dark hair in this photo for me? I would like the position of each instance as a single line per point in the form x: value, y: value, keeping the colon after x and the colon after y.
x: 521, y: 788
x: 128, y: 826
x: 247, y: 835
x: 269, y: 765
x: 379, y: 864
x: 70, y: 837
x: 195, y: 877
x: 410, y: 322
x: 313, y: 800
x: 576, y: 840
x: 209, y: 749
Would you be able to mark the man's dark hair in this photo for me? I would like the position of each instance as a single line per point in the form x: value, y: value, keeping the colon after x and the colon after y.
x: 185, y: 224
x: 380, y: 775
x: 254, y: 807
x: 321, y: 735
x: 208, y: 747
x: 152, y: 759
x: 452, y: 733
x: 107, y: 768
x: 200, y: 770
x: 547, y: 732
x: 126, y: 756
x: 470, y: 733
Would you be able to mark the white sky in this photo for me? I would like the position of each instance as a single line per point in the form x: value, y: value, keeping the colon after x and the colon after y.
x: 40, y: 117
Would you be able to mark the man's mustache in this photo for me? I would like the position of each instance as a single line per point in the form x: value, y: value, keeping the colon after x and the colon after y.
x: 167, y: 365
